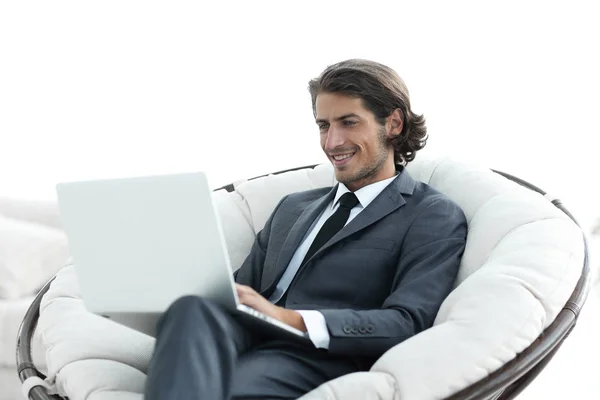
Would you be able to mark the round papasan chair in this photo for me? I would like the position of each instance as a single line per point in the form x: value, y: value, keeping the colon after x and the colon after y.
x: 523, y: 279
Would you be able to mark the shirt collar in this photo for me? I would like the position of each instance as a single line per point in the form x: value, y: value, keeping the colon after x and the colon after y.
x: 365, y: 194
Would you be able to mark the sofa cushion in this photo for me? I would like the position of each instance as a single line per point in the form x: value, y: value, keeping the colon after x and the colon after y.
x: 30, y: 254
x: 43, y: 212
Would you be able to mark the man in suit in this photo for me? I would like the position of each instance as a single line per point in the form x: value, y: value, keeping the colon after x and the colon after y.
x: 360, y: 267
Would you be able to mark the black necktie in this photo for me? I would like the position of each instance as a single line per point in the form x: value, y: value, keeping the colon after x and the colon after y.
x: 333, y: 224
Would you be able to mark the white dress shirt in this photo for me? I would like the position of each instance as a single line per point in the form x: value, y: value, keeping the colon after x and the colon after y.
x: 314, y: 320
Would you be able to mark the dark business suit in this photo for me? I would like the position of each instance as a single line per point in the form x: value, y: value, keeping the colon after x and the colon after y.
x: 378, y: 281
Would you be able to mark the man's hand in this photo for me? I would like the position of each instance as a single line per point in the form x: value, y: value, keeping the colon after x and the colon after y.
x: 251, y: 298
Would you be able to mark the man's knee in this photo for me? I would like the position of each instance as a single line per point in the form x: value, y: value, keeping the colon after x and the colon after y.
x: 191, y: 303
x: 189, y: 307
x: 267, y: 376
x: 192, y: 315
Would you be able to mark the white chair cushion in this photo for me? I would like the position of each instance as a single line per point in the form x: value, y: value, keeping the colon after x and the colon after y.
x: 262, y: 195
x: 522, y: 261
x: 97, y: 379
x: 71, y: 333
x: 237, y: 226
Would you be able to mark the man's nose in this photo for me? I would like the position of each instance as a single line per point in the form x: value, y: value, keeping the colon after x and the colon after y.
x: 334, y: 138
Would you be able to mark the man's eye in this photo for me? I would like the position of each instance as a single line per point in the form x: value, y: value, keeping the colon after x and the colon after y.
x: 323, y: 127
x: 349, y: 123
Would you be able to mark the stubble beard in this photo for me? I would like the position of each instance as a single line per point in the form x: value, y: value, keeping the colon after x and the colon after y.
x: 368, y: 171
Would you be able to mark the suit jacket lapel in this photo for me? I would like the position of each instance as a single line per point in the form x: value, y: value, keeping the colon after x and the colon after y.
x: 294, y: 239
x: 388, y: 201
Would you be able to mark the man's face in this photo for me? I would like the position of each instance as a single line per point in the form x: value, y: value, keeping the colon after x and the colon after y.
x: 354, y: 142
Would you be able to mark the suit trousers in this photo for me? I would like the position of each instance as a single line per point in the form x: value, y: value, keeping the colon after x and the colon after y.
x: 203, y: 352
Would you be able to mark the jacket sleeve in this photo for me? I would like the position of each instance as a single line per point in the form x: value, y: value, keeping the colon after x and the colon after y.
x: 428, y: 265
x: 250, y: 272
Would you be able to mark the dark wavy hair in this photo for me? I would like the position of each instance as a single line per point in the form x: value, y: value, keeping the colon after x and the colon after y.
x: 382, y: 91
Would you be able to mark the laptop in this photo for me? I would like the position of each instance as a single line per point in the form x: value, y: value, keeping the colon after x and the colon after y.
x: 138, y: 244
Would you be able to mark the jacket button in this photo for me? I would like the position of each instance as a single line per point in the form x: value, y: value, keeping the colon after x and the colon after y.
x: 362, y: 329
x: 370, y: 328
x: 347, y: 329
x: 354, y: 330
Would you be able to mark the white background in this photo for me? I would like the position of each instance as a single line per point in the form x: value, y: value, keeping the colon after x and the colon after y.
x: 119, y: 88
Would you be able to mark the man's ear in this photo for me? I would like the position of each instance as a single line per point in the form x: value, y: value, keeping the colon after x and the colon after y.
x: 395, y: 122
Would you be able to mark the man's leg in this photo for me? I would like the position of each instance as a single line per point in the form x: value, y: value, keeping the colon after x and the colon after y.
x: 283, y: 370
x: 197, y: 345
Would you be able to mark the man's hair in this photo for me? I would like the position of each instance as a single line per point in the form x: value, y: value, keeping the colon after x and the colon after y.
x: 382, y: 91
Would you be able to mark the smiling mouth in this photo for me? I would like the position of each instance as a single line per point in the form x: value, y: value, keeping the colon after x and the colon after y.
x: 340, y: 159
x: 342, y: 156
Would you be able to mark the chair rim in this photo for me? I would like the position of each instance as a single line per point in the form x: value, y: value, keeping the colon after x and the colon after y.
x: 503, y: 384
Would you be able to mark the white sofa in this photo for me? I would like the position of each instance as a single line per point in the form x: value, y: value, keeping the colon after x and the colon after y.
x: 522, y: 261
x: 33, y: 248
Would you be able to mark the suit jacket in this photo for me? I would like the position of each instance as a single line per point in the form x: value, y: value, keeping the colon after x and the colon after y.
x: 380, y: 279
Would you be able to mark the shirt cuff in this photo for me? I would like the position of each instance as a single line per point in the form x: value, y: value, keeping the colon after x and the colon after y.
x: 316, y: 328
